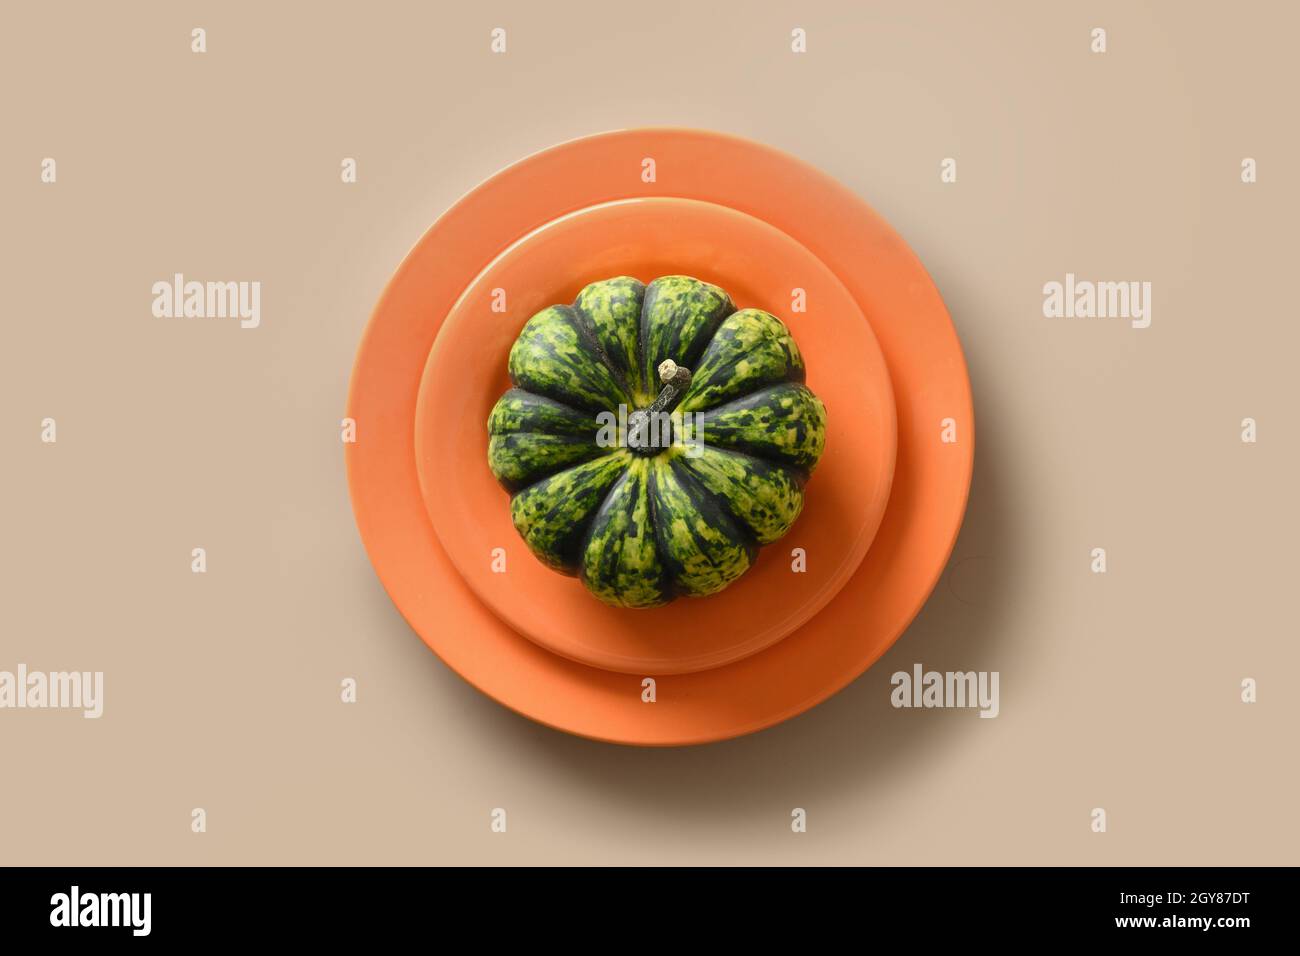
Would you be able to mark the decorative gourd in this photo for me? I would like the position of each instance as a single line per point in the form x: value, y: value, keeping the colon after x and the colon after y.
x: 603, y: 489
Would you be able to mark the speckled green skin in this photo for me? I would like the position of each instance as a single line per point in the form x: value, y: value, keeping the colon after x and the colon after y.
x: 785, y: 423
x: 640, y: 530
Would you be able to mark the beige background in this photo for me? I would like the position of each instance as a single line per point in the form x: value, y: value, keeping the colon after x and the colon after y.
x: 1119, y: 691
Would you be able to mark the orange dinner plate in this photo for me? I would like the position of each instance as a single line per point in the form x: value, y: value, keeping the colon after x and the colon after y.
x: 935, y: 438
x: 760, y: 267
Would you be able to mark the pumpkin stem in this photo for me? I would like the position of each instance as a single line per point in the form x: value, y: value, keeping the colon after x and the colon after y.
x: 676, y: 380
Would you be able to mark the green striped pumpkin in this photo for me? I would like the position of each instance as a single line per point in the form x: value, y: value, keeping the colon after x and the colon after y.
x: 644, y: 515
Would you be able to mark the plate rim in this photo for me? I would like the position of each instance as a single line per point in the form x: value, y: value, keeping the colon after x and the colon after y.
x: 956, y: 369
x: 882, y: 447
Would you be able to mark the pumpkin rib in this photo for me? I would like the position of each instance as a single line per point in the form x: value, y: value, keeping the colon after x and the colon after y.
x: 514, y: 486
x: 697, y: 489
x: 525, y: 428
x: 757, y: 402
x: 677, y: 289
x: 577, y: 464
x: 717, y: 516
x: 620, y: 301
x: 770, y: 476
x: 566, y: 374
x: 671, y: 589
x: 801, y: 475
x: 563, y: 554
x: 570, y: 416
x: 753, y: 338
x: 588, y: 335
x: 614, y: 557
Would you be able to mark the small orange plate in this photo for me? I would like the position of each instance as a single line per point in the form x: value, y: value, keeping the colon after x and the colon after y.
x: 931, y: 476
x: 760, y: 266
